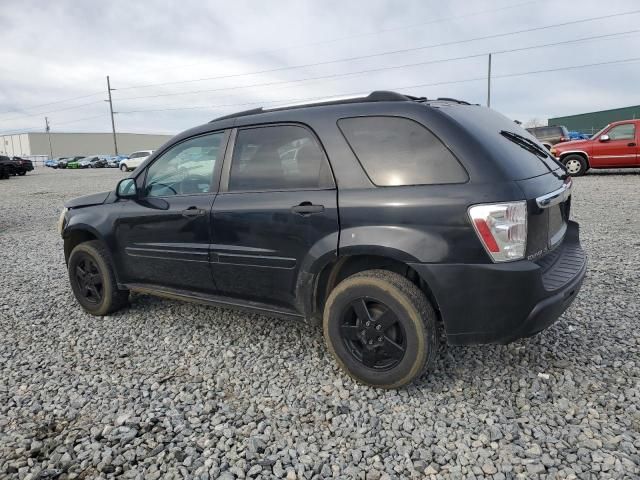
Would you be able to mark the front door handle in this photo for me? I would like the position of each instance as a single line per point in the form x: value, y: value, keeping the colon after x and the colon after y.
x: 307, y: 208
x: 632, y: 144
x: 193, y: 212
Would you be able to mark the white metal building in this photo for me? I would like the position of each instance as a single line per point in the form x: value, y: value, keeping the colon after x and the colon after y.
x: 34, y: 144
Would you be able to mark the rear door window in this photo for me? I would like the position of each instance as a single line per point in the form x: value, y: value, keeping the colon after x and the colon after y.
x: 398, y: 151
x: 279, y: 157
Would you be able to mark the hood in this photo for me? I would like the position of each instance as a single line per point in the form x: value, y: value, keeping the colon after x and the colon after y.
x: 572, y: 144
x: 87, y: 200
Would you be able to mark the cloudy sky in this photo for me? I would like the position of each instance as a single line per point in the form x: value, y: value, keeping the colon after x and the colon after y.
x: 176, y: 64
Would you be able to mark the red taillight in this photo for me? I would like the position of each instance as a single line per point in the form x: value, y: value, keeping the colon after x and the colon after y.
x: 485, y: 233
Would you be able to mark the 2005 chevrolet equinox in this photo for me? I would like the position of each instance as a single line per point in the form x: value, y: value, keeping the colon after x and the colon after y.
x: 380, y: 217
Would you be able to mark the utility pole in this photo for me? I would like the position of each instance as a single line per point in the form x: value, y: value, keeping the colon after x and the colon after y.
x: 113, y: 124
x: 48, y: 130
x: 489, y: 84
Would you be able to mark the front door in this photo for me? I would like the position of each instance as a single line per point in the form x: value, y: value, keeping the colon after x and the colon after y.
x: 621, y: 150
x: 277, y: 200
x: 163, y: 236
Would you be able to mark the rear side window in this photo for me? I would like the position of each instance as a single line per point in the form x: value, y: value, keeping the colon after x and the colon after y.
x: 397, y: 151
x: 279, y: 157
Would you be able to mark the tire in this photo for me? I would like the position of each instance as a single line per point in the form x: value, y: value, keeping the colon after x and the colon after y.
x: 22, y: 173
x: 399, y: 315
x: 98, y: 295
x: 123, y: 168
x: 576, y: 165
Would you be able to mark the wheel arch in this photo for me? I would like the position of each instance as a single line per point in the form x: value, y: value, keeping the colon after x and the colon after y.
x: 582, y: 153
x: 77, y: 234
x: 314, y: 288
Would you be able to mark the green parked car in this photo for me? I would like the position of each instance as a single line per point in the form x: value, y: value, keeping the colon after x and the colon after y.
x: 73, y: 164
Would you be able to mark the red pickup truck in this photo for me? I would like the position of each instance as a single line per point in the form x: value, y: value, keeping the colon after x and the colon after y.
x: 615, y: 146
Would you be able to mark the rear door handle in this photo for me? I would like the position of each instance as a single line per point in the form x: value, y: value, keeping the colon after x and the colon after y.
x: 632, y: 144
x: 193, y: 212
x: 307, y: 208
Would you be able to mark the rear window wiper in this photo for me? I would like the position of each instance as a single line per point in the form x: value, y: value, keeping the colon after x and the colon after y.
x: 525, y: 143
x: 536, y: 149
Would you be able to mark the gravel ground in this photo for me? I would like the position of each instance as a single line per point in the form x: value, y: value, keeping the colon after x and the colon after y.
x: 171, y: 390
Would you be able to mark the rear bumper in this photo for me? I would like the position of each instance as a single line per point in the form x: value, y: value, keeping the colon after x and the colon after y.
x: 499, y: 303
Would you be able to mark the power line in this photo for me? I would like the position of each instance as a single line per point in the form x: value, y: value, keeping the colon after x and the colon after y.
x: 405, y: 87
x: 391, y: 52
x: 359, y: 35
x: 52, y: 103
x: 380, y: 69
x: 347, y: 37
x: 33, y: 129
x: 51, y: 111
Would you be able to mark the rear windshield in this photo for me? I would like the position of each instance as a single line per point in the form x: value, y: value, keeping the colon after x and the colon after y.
x: 485, y: 125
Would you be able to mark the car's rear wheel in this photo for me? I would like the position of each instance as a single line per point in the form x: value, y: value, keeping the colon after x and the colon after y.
x: 123, y: 168
x: 381, y: 328
x: 93, y: 280
x: 576, y: 165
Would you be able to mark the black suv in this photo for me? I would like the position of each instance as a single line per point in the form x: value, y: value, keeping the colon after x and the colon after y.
x: 380, y: 217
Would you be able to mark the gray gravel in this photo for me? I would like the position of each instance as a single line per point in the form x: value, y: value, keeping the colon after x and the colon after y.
x: 171, y: 390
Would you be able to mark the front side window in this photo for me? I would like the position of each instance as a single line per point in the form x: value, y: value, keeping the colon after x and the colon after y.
x: 626, y: 131
x: 186, y: 168
x: 397, y: 151
x: 281, y: 157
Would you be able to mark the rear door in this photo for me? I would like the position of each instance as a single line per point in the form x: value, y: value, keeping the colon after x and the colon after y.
x: 277, y: 200
x: 163, y: 236
x: 621, y: 150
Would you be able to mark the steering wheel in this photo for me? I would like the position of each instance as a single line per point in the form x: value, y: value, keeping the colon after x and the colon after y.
x: 194, y: 180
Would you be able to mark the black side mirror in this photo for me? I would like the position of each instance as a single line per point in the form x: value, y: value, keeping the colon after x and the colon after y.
x: 127, y: 188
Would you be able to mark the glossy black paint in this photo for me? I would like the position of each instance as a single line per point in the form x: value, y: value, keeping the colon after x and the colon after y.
x: 266, y: 250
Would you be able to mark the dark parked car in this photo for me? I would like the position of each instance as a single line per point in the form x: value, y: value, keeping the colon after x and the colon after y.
x: 6, y: 167
x: 380, y: 218
x: 14, y: 166
x: 23, y: 165
x: 549, y: 136
x: 93, y: 161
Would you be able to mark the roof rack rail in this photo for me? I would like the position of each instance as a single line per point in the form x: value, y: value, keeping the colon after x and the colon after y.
x: 376, y: 96
x: 448, y: 99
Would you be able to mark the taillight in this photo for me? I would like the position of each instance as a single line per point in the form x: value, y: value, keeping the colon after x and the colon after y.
x: 502, y: 229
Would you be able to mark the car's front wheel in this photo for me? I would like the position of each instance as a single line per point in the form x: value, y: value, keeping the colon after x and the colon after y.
x: 93, y: 280
x: 123, y: 168
x: 381, y: 328
x: 576, y: 165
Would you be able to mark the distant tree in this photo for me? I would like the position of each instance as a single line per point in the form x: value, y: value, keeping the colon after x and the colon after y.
x: 535, y: 122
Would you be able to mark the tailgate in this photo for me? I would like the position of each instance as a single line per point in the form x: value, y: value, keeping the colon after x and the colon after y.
x: 549, y: 207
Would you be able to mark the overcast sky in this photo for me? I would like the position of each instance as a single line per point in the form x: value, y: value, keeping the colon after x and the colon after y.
x: 57, y: 51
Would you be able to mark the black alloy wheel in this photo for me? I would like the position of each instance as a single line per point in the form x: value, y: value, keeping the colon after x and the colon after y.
x: 89, y: 279
x: 93, y: 280
x: 381, y: 328
x: 372, y: 334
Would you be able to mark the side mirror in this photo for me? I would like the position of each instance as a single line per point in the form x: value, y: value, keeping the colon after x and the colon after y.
x: 604, y: 138
x: 127, y: 188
